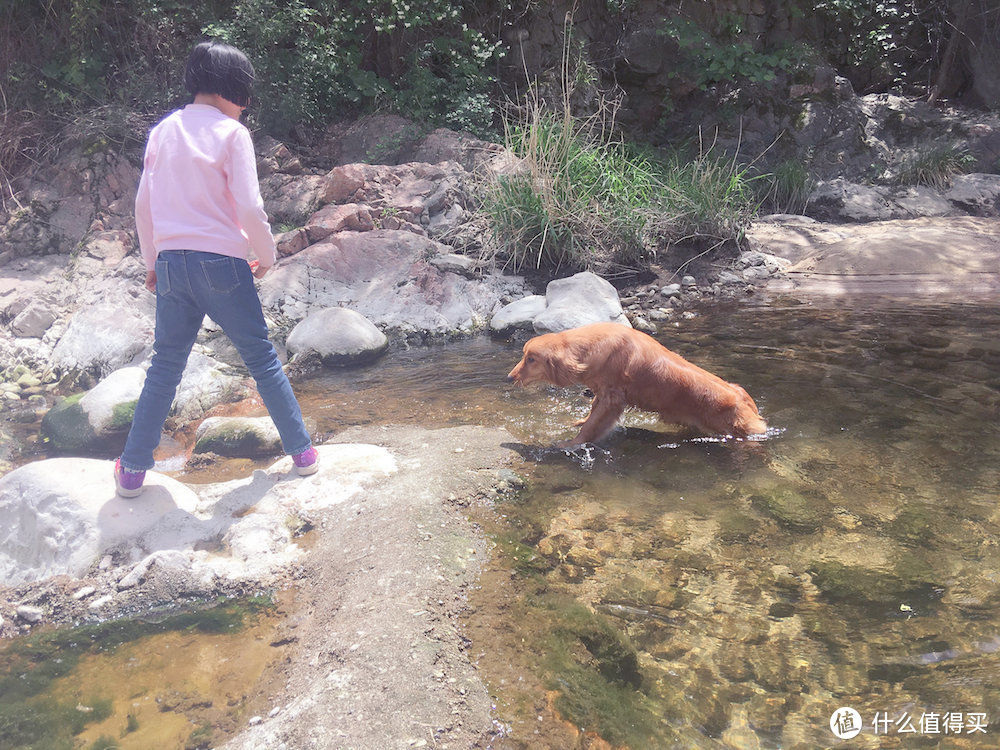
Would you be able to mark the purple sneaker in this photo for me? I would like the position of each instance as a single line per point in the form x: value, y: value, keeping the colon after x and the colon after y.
x: 306, y: 462
x: 128, y: 483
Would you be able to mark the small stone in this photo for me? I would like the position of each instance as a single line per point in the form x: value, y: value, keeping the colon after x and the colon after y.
x: 84, y: 592
x: 688, y: 281
x: 99, y: 602
x: 641, y: 324
x: 671, y: 290
x: 28, y: 381
x: 29, y: 613
x: 728, y: 277
x: 134, y: 577
x: 254, y: 720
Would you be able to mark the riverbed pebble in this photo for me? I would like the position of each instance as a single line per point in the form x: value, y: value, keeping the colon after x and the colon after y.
x: 30, y: 614
x: 84, y: 592
x: 99, y: 602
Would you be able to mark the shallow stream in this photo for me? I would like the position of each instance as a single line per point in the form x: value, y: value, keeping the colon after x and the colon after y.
x: 662, y: 591
x: 667, y: 592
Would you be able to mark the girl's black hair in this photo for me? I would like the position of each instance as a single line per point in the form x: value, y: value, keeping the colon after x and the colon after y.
x: 216, y: 68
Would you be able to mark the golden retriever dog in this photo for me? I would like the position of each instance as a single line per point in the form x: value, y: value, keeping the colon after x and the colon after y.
x: 624, y: 367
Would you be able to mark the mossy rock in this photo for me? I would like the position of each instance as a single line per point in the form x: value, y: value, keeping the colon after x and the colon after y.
x: 238, y: 437
x: 912, y: 578
x: 608, y: 649
x: 121, y: 415
x: 595, y: 670
x: 735, y: 526
x: 792, y: 509
x: 67, y: 427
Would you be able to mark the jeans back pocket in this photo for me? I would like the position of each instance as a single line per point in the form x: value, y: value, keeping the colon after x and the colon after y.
x: 162, y: 277
x: 220, y: 274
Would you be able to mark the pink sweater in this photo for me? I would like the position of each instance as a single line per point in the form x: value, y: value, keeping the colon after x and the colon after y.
x: 199, y: 190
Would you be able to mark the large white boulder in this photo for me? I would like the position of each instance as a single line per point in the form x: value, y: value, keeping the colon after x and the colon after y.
x: 58, y: 516
x: 577, y: 301
x: 338, y: 336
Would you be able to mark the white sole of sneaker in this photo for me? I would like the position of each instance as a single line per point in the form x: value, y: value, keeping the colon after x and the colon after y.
x: 305, y: 471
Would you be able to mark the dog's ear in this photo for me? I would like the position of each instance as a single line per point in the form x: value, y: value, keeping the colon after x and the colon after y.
x: 563, y: 369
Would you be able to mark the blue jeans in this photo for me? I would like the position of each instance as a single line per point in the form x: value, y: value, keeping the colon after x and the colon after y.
x: 190, y: 285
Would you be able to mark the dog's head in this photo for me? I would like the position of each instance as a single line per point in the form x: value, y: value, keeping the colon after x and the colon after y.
x: 544, y: 361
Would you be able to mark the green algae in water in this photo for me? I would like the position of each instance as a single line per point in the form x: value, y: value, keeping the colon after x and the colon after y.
x: 912, y: 579
x: 595, y: 670
x: 793, y: 509
x: 523, y: 557
x: 32, y: 665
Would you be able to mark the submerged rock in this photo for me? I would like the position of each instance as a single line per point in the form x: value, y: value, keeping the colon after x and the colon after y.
x: 855, y: 583
x: 792, y: 509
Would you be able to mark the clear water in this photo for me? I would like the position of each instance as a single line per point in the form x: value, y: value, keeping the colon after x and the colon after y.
x: 189, y: 680
x: 666, y: 592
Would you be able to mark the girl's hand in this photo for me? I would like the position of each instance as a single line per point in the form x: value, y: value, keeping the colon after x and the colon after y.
x: 151, y: 281
x: 258, y: 270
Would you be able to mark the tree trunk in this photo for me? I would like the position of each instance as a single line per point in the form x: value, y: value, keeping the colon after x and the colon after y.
x: 950, y: 50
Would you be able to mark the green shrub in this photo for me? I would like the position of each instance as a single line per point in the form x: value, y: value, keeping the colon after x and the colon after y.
x: 729, y: 53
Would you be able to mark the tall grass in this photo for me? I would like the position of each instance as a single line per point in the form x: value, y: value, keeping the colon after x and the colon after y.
x: 935, y: 165
x: 787, y: 187
x: 575, y: 201
x: 707, y: 197
x: 580, y: 198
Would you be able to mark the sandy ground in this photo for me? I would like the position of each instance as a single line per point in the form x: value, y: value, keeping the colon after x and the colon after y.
x: 955, y: 258
x: 378, y: 660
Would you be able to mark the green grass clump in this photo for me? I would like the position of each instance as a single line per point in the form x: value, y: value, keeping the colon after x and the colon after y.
x: 935, y: 165
x: 787, y: 187
x: 576, y: 201
x: 582, y: 199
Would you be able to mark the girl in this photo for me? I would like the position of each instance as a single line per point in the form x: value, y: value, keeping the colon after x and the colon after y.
x: 198, y: 212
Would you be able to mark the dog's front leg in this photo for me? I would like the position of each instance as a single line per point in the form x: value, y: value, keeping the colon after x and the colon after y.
x: 604, y: 412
